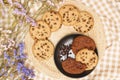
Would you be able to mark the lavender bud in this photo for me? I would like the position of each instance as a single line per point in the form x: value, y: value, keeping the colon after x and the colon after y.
x: 30, y: 20
x: 1, y: 1
x: 19, y: 6
x: 10, y: 2
x: 18, y: 12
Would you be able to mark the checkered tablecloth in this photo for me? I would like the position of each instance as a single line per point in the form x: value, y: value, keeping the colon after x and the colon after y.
x: 109, y: 67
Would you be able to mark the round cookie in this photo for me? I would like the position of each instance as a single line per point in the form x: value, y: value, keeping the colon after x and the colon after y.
x: 88, y: 57
x: 43, y: 49
x: 73, y: 67
x: 70, y: 14
x: 41, y: 31
x: 85, y: 22
x: 82, y: 42
x: 53, y: 19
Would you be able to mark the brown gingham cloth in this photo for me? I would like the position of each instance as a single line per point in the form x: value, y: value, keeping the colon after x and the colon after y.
x: 109, y: 67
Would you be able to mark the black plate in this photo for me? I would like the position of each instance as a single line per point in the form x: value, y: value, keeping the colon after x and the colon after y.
x: 57, y: 59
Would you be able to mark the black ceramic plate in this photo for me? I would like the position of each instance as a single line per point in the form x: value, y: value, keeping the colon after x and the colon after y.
x: 68, y: 40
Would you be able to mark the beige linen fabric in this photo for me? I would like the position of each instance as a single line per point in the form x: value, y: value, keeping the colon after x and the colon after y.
x: 109, y: 67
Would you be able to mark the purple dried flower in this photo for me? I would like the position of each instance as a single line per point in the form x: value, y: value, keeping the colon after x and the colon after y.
x: 30, y: 20
x: 21, y: 47
x: 11, y: 75
x: 31, y: 73
x: 19, y: 67
x: 1, y: 1
x: 3, y: 12
x: 23, y: 77
x: 15, y: 53
x: 18, y: 12
x: 10, y: 2
x: 22, y: 56
x: 19, y: 6
x: 6, y: 56
x: 3, y: 70
x: 27, y: 72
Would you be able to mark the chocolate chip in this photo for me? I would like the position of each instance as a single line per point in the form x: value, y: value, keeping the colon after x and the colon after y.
x: 51, y: 12
x: 38, y: 27
x: 48, y: 19
x: 83, y: 59
x: 38, y: 54
x: 88, y: 22
x: 70, y: 9
x: 84, y: 20
x: 42, y: 57
x: 55, y: 23
x: 57, y: 18
x: 48, y: 47
x: 39, y: 24
x: 45, y: 43
x: 64, y: 15
x: 74, y: 7
x: 73, y: 14
x: 42, y: 26
x: 42, y: 34
x: 63, y: 7
x: 90, y: 17
x: 55, y: 12
x: 50, y: 27
x: 88, y: 29
x: 45, y: 20
x: 86, y: 25
x: 33, y: 29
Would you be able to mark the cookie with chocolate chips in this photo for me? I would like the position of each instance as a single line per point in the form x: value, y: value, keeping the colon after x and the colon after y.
x: 85, y: 22
x: 82, y: 42
x: 73, y: 67
x: 43, y: 49
x: 53, y: 19
x: 41, y: 31
x: 88, y: 57
x: 70, y: 14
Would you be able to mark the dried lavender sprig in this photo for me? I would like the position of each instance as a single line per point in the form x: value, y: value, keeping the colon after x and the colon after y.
x: 10, y: 2
x: 23, y: 70
x: 1, y: 1
x: 45, y: 7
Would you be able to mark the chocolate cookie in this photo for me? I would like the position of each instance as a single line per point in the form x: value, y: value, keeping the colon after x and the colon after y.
x: 73, y: 67
x: 82, y: 42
